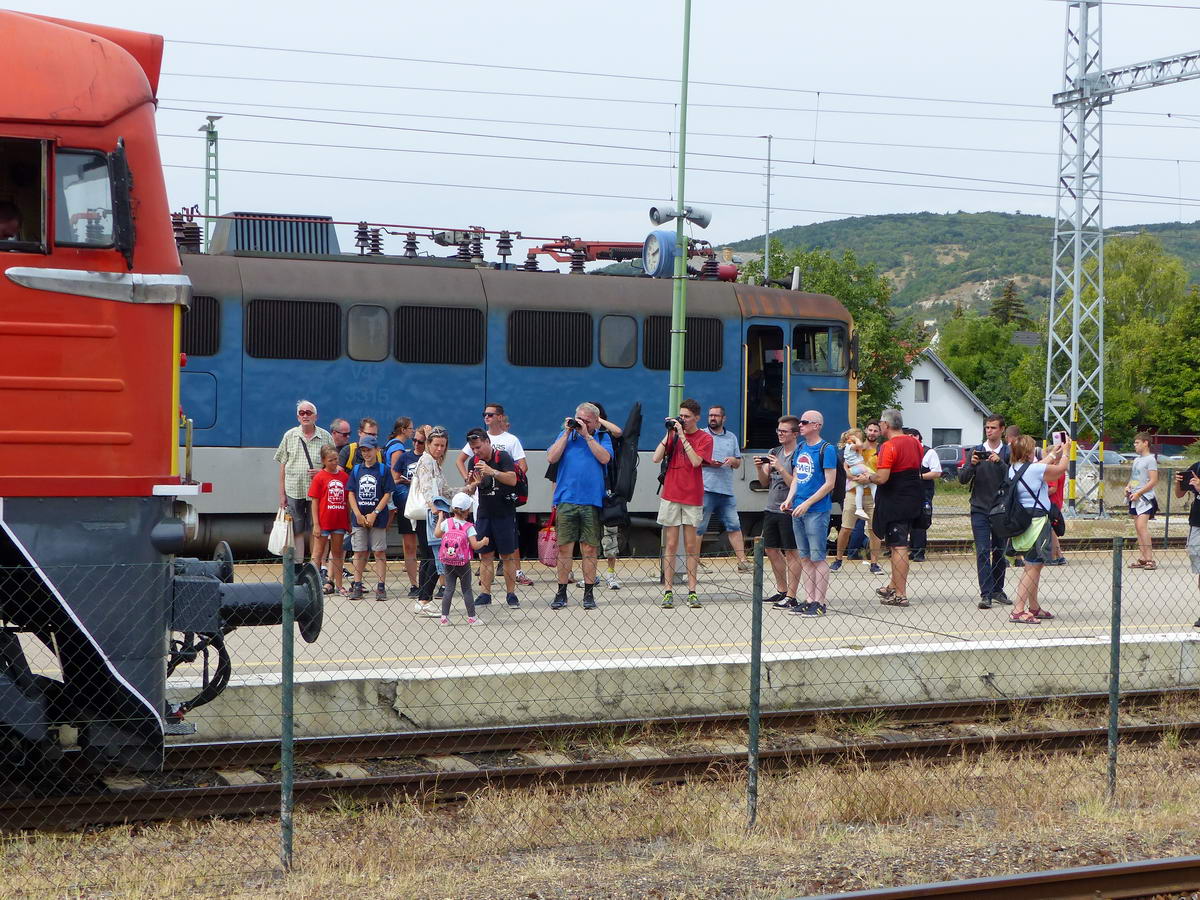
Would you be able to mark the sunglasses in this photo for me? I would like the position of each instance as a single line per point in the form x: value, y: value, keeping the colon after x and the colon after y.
x: 489, y: 415
x: 343, y: 433
x: 809, y: 422
x: 308, y: 412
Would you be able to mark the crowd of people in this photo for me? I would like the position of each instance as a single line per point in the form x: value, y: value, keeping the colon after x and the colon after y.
x: 344, y: 494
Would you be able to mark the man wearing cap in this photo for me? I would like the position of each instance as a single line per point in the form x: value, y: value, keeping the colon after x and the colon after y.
x: 369, y: 488
x: 299, y: 458
x: 492, y: 477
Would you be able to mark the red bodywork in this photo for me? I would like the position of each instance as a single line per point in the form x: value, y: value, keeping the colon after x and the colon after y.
x: 88, y: 387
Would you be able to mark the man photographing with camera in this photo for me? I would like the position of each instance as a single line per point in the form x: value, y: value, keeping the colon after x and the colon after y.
x: 985, y: 469
x: 581, y: 455
x: 687, y: 449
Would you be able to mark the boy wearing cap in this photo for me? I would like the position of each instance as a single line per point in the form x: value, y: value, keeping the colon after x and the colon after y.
x: 369, y: 488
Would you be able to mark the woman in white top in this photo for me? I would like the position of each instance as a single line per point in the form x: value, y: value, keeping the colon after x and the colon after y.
x: 1033, y: 495
x: 1142, y: 502
x: 428, y: 483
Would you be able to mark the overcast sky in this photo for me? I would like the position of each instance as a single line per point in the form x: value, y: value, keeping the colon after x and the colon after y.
x: 549, y: 153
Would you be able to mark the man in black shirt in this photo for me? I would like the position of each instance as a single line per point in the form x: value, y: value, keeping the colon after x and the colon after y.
x: 1188, y: 482
x: 984, y: 471
x: 492, y: 476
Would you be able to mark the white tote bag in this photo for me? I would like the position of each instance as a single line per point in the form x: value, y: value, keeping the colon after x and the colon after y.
x: 281, y: 533
x: 414, y: 506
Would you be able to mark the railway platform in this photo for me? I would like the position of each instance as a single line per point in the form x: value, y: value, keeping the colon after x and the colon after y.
x: 379, y: 667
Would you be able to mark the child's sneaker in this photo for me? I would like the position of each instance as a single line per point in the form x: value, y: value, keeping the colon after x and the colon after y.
x: 443, y: 620
x: 668, y: 600
x: 611, y: 580
x: 439, y: 593
x: 693, y: 600
x: 524, y: 579
x: 861, y: 513
x: 472, y: 620
x: 835, y: 566
x: 380, y: 591
x: 414, y: 592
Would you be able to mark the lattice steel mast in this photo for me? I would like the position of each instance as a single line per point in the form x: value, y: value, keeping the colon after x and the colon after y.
x: 1075, y: 334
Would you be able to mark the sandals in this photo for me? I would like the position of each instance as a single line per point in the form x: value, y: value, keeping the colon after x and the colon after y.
x: 895, y: 600
x: 1149, y: 566
x: 1140, y: 564
x: 885, y: 592
x: 1025, y: 618
x: 328, y: 588
x: 1042, y: 613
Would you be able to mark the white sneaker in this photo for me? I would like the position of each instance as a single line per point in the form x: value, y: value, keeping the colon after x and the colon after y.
x: 861, y: 513
x: 419, y: 608
x: 611, y: 580
x: 432, y: 610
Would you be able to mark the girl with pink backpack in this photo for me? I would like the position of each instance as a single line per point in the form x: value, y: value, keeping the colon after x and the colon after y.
x: 458, y: 540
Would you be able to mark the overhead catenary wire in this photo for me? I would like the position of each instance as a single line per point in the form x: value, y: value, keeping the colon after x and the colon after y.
x: 1110, y: 195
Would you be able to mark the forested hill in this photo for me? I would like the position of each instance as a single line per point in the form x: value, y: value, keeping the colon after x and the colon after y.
x: 936, y: 260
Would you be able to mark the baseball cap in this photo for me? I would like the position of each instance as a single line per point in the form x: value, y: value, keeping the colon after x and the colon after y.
x: 369, y: 440
x: 461, y: 501
x: 477, y: 433
x: 440, y: 503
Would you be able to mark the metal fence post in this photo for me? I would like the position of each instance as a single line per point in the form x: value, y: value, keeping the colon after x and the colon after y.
x: 755, y: 681
x: 1114, y: 667
x: 1169, y: 491
x: 287, y: 761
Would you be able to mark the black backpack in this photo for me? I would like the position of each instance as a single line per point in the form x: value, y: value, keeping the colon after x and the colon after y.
x: 1007, y: 517
x: 839, y: 480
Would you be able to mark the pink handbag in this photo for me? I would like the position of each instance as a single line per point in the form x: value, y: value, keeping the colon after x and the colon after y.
x: 548, y: 542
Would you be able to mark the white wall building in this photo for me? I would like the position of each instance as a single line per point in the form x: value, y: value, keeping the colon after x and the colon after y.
x: 940, y: 406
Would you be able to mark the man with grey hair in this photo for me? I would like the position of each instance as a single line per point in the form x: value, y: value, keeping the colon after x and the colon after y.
x: 299, y: 458
x: 581, y: 455
x: 899, y: 501
x: 340, y: 429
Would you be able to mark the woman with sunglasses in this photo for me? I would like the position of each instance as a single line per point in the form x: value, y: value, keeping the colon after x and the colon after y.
x: 428, y: 482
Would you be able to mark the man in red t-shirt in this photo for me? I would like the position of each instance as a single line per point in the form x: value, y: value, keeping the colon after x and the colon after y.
x: 686, y: 449
x: 899, y: 501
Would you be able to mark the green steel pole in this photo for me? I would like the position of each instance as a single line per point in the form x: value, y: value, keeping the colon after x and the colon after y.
x: 287, y: 759
x: 1169, y: 491
x: 755, y: 684
x: 1114, y: 668
x: 679, y: 282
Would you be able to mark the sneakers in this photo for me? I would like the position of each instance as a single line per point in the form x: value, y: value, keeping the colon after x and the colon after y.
x: 414, y: 592
x: 693, y: 600
x: 439, y: 593
x: 861, y: 513
x: 668, y: 600
x: 745, y: 567
x: 787, y: 603
x: 560, y: 599
x: 985, y: 602
x: 876, y: 569
x: 483, y: 600
x: 1196, y: 624
x: 356, y: 590
x: 835, y: 566
x: 811, y: 610
x: 512, y: 601
x: 380, y: 591
x: 443, y: 620
x: 611, y: 580
x: 429, y: 610
x: 523, y: 579
x: 589, y: 601
x: 774, y: 598
x: 1001, y: 597
x: 472, y: 620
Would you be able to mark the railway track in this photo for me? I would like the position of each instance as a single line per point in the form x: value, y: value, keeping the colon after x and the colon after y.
x: 473, y: 764
x: 1151, y: 878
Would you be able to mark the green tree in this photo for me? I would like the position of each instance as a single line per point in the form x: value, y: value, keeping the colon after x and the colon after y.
x: 1008, y: 308
x: 887, y: 348
x: 980, y: 351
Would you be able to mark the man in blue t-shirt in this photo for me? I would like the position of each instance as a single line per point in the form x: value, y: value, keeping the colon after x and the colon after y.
x: 810, y: 504
x: 581, y: 454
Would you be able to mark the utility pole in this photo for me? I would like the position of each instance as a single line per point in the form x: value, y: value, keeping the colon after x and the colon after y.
x: 767, y: 236
x: 679, y: 281
x: 212, y: 205
x: 1075, y: 334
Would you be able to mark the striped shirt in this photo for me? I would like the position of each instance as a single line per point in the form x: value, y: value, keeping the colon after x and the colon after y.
x: 295, y: 463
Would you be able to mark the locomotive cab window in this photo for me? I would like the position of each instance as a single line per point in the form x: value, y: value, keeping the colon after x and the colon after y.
x: 83, y: 215
x: 22, y: 196
x: 819, y: 349
x: 618, y: 342
x: 367, y: 333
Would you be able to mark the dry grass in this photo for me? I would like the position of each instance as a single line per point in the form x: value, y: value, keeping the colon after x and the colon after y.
x: 819, y: 829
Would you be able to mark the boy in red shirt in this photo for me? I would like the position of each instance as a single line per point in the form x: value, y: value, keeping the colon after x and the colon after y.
x: 687, y: 449
x: 330, y: 516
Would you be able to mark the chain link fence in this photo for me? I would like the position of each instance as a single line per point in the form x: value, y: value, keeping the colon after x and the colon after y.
x: 83, y: 724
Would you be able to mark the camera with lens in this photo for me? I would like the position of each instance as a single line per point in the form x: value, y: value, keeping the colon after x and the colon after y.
x: 573, y: 424
x: 670, y: 423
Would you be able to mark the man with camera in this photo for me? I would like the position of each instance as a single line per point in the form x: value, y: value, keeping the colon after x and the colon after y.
x: 779, y: 540
x: 686, y: 449
x: 492, y: 476
x: 985, y: 470
x: 581, y: 455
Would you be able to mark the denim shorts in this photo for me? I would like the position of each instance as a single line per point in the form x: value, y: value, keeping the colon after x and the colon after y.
x: 723, y: 508
x: 812, y: 534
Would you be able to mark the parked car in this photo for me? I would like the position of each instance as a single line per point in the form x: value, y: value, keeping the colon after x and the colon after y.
x: 952, y: 457
x: 1111, y: 457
